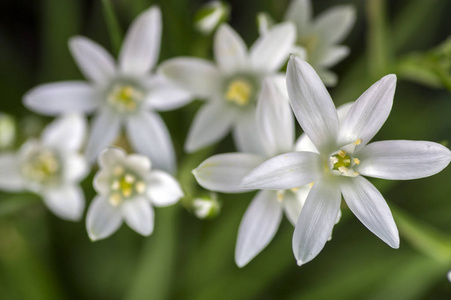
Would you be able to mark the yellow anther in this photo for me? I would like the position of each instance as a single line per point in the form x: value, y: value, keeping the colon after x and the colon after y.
x: 358, y: 142
x: 125, y: 98
x: 294, y: 190
x: 140, y: 187
x: 115, y: 199
x: 239, y: 91
x: 129, y: 178
x: 115, y: 185
x: 356, y: 161
x: 342, y: 153
x: 280, y: 195
x: 311, y: 184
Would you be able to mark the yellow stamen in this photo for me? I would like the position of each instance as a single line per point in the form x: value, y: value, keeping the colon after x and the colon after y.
x: 356, y: 161
x: 239, y: 91
x: 358, y: 142
x: 115, y: 199
x: 342, y: 153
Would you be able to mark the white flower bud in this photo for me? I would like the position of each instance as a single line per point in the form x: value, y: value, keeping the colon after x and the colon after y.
x: 209, y: 16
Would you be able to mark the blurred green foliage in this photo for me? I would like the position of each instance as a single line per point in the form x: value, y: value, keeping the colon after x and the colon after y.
x: 43, y: 257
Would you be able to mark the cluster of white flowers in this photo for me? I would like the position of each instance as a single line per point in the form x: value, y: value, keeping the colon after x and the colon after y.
x: 246, y: 93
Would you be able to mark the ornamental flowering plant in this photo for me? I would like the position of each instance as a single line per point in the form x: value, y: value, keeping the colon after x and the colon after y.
x: 225, y: 149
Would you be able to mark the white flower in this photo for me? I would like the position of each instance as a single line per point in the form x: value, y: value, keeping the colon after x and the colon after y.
x: 318, y: 39
x: 51, y: 167
x: 343, y: 155
x: 224, y: 172
x: 127, y: 189
x: 124, y: 94
x: 232, y: 86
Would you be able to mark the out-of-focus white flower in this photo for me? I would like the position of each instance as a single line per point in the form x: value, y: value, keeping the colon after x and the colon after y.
x: 206, y: 207
x: 343, y: 156
x: 211, y: 15
x: 224, y: 172
x: 51, y: 167
x: 232, y: 85
x: 318, y: 40
x: 120, y: 95
x: 7, y: 131
x: 127, y: 189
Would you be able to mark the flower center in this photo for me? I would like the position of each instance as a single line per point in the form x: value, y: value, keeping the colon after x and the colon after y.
x: 239, y: 91
x: 309, y: 42
x: 125, y: 185
x: 343, y: 162
x: 42, y: 166
x: 125, y: 98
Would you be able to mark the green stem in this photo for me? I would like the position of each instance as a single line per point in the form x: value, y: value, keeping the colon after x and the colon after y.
x: 112, y: 24
x: 16, y: 203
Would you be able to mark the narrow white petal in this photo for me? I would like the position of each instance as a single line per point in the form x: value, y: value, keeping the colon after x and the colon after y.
x: 164, y: 95
x: 110, y: 156
x: 312, y: 104
x: 102, y: 219
x: 141, y: 46
x: 224, y: 172
x: 138, y: 162
x: 293, y: 201
x: 333, y: 56
x: 211, y: 123
x: 403, y: 159
x: 10, y: 176
x: 370, y: 208
x: 149, y: 135
x: 92, y: 59
x: 139, y: 215
x: 285, y: 171
x: 105, y: 129
x: 196, y: 75
x: 299, y: 12
x: 246, y: 134
x: 66, y: 133
x: 335, y: 24
x: 62, y: 97
x: 76, y: 167
x: 163, y: 189
x: 369, y: 112
x: 275, y: 119
x: 271, y: 50
x: 258, y: 226
x: 66, y: 202
x: 229, y: 49
x: 102, y: 182
x: 316, y: 221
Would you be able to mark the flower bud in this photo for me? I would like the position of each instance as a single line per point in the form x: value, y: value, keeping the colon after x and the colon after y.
x: 209, y: 16
x: 7, y: 131
x: 206, y: 207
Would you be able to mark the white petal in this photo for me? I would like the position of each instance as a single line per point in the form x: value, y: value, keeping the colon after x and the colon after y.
x: 102, y: 182
x: 138, y: 163
x: 293, y: 201
x: 299, y: 12
x: 141, y: 46
x: 224, y: 172
x: 110, y: 156
x: 102, y: 219
x: 370, y: 208
x: 139, y: 215
x: 67, y: 202
x: 312, y: 104
x: 149, y: 136
x: 164, y: 95
x: 328, y: 77
x: 334, y: 24
x: 285, y: 171
x: 333, y: 56
x: 403, y: 159
x: 246, y: 134
x: 271, y: 50
x: 66, y: 133
x: 163, y: 189
x: 10, y: 177
x: 369, y: 112
x: 316, y: 221
x: 229, y: 49
x: 75, y: 168
x: 275, y: 120
x: 62, y: 97
x: 211, y: 123
x: 92, y: 59
x: 105, y: 129
x: 196, y: 75
x: 258, y: 226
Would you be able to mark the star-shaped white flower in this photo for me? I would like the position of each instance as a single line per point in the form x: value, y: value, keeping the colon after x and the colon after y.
x: 127, y: 189
x: 224, y: 172
x: 232, y: 85
x: 343, y: 156
x: 120, y: 95
x: 51, y: 167
x: 318, y: 39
